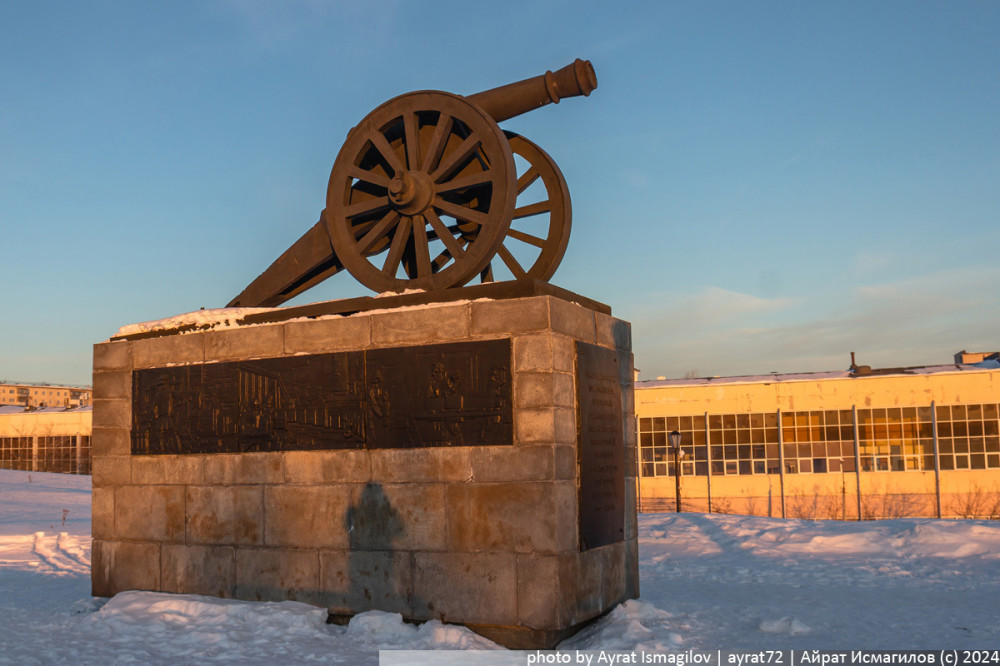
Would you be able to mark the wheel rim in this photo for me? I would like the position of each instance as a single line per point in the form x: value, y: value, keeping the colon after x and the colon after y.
x: 539, y: 231
x: 421, y: 195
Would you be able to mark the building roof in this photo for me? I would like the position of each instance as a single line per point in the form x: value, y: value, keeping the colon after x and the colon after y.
x: 818, y: 376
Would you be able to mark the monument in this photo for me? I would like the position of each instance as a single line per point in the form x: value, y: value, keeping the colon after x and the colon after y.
x: 444, y: 450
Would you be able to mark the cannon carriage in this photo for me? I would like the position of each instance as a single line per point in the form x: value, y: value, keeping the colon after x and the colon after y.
x: 423, y: 193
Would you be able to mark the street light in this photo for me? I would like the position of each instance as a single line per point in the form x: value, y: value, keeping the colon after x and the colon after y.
x: 675, y: 444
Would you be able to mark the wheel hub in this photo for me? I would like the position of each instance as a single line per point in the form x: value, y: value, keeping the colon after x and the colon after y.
x: 411, y: 192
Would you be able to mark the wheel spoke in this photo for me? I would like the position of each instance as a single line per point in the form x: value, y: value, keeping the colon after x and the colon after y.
x: 512, y: 264
x: 396, y: 248
x: 457, y: 157
x: 440, y: 261
x: 461, y: 212
x: 526, y: 238
x: 423, y: 257
x: 367, y: 206
x: 368, y: 177
x: 441, y: 231
x: 532, y: 209
x: 412, y: 140
x: 433, y: 155
x: 527, y: 178
x: 466, y: 182
x: 378, y: 231
x: 382, y: 146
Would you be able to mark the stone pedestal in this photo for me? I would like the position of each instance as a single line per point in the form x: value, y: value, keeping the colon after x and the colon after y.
x: 500, y: 495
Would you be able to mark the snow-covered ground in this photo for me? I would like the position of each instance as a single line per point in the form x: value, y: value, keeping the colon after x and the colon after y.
x: 708, y: 581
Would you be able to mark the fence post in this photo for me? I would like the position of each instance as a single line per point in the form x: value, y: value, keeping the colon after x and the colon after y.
x: 937, y: 459
x: 708, y: 457
x: 857, y: 455
x: 781, y: 463
x: 34, y: 453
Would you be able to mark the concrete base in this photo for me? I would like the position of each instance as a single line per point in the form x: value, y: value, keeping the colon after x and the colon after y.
x: 485, y: 536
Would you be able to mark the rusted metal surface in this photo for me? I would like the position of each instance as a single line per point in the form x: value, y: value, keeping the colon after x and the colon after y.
x: 435, y: 395
x: 423, y: 192
x: 601, y: 445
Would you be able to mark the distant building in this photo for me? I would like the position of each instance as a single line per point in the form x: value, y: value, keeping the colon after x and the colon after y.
x: 869, y: 442
x: 976, y: 357
x: 45, y: 395
x: 46, y: 439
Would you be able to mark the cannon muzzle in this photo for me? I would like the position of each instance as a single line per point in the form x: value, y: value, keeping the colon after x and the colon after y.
x: 513, y: 99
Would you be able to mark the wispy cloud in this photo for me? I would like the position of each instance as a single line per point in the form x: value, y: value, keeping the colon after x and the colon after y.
x: 919, y: 320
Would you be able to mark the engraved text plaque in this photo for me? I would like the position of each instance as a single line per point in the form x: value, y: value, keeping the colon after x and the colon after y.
x: 601, y: 446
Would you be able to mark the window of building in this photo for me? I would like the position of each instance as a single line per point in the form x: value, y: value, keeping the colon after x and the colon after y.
x: 895, y: 439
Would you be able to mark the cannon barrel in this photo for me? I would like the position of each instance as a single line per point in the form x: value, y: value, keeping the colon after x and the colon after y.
x: 513, y: 99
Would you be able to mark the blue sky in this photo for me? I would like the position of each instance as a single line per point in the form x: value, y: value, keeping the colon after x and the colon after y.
x: 757, y: 186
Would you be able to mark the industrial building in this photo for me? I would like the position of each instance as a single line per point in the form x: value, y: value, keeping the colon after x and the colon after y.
x: 46, y: 439
x: 863, y: 442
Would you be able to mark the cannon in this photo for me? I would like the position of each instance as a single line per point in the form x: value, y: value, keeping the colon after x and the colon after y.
x: 423, y: 192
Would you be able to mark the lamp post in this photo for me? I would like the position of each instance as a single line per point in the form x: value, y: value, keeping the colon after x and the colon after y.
x: 675, y: 444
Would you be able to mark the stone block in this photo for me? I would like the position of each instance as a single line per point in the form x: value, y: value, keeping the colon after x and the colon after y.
x: 540, y: 603
x: 112, y: 413
x: 307, y: 516
x: 421, y: 465
x: 110, y: 385
x: 310, y: 467
x: 545, y: 426
x: 244, y: 468
x: 532, y: 353
x: 110, y: 442
x: 522, y: 463
x: 583, y: 576
x: 612, y: 332
x: 631, y: 568
x: 571, y: 319
x: 565, y: 463
x: 481, y: 587
x: 613, y: 576
x: 271, y: 574
x: 112, y: 356
x: 198, y: 570
x: 542, y: 390
x: 421, y: 325
x: 168, y: 350
x: 151, y: 513
x: 522, y: 517
x: 111, y: 471
x: 225, y: 515
x: 543, y: 352
x: 411, y: 514
x: 505, y: 317
x: 148, y: 470
x: 631, y: 508
x: 102, y: 512
x: 356, y: 581
x: 117, y: 566
x: 328, y: 335
x: 244, y: 343
x: 187, y: 469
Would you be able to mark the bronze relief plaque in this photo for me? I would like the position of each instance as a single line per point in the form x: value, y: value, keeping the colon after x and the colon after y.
x: 601, y: 445
x: 434, y: 395
x: 440, y: 395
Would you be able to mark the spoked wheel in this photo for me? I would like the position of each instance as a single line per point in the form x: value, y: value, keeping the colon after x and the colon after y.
x: 420, y: 196
x: 539, y: 232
